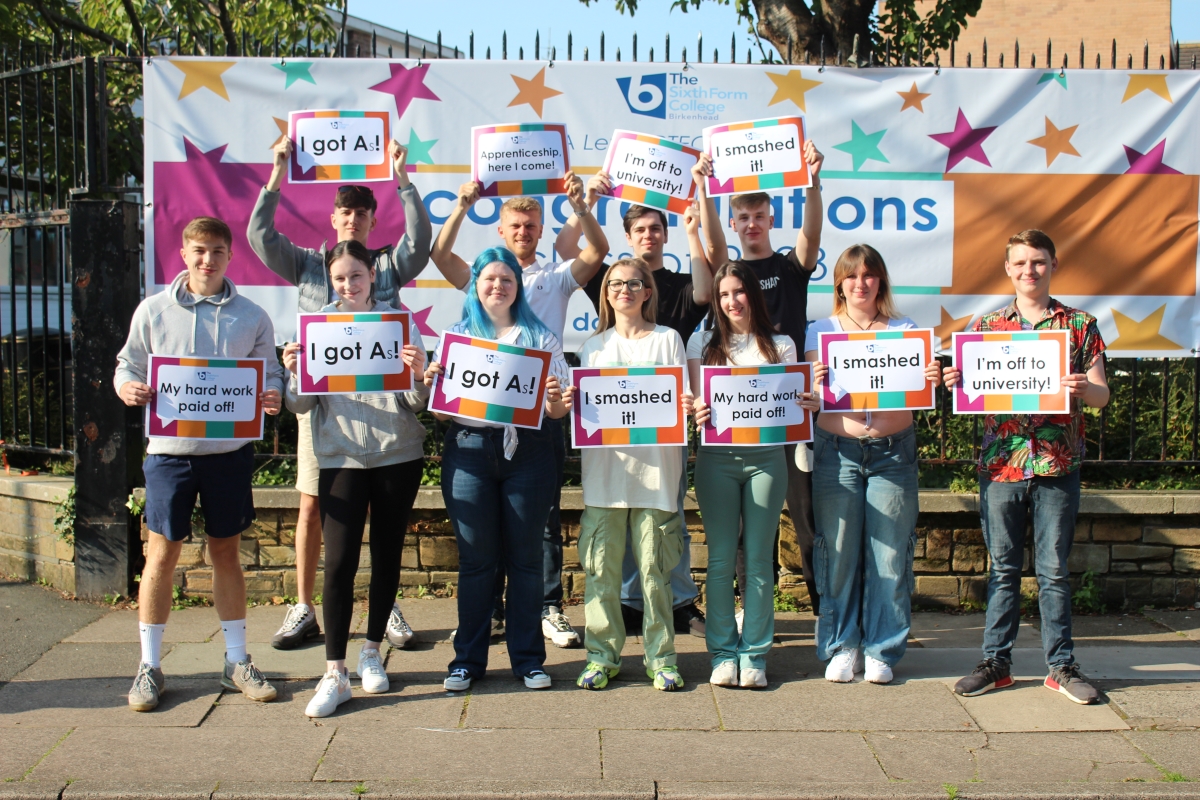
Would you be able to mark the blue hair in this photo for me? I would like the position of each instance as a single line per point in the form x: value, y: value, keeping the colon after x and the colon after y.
x: 479, y: 323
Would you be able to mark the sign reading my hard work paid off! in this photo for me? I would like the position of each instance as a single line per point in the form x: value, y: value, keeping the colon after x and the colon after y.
x: 627, y: 406
x: 756, y: 405
x: 491, y: 381
x: 1017, y: 372
x: 205, y: 398
x: 651, y: 170
x: 757, y: 156
x: 524, y: 159
x: 354, y: 353
x: 876, y: 370
x: 339, y: 146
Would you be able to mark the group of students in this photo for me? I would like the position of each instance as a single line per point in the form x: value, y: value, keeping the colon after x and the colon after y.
x: 852, y: 493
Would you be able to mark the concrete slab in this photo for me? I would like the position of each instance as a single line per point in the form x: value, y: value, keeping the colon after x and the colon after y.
x: 1029, y: 707
x: 795, y: 628
x: 927, y: 756
x: 1159, y: 707
x: 1141, y: 663
x: 1121, y: 631
x: 102, y: 702
x: 209, y: 755
x: 1186, y: 623
x: 72, y: 661
x: 460, y: 754
x: 1174, y: 751
x: 196, y: 624
x: 32, y: 790
x: 1060, y: 757
x: 940, y: 629
x: 608, y: 789
x: 33, y: 619
x: 743, y: 756
x: 21, y: 750
x: 94, y: 788
x: 818, y: 705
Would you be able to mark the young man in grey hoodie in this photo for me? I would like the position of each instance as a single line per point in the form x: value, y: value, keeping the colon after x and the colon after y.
x: 200, y: 314
x: 354, y: 218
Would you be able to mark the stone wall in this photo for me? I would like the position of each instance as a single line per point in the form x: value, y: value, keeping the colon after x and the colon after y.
x: 29, y: 547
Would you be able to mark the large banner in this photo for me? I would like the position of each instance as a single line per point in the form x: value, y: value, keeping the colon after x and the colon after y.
x: 936, y: 169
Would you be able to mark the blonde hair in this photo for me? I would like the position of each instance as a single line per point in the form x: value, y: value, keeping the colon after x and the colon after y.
x: 523, y: 205
x: 863, y: 255
x: 749, y: 200
x: 205, y: 228
x: 649, y: 305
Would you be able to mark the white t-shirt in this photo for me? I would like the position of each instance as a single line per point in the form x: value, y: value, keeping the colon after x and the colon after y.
x: 743, y: 349
x: 548, y: 288
x: 633, y: 477
x: 834, y: 325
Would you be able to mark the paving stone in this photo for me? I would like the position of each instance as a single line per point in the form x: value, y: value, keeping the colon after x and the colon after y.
x: 1182, y: 622
x: 97, y: 788
x: 939, y: 629
x: 1174, y: 751
x: 102, y: 701
x: 1146, y: 707
x: 32, y: 620
x: 927, y: 756
x: 607, y: 789
x: 196, y: 624
x: 69, y: 661
x: 1126, y: 629
x: 32, y: 790
x: 1030, y: 707
x: 1037, y: 757
x: 744, y: 756
x: 21, y: 750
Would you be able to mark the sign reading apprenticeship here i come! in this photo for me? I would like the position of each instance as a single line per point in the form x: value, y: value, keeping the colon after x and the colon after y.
x: 354, y: 353
x: 757, y: 156
x: 205, y: 398
x: 627, y: 406
x: 876, y: 370
x: 525, y: 159
x: 491, y: 381
x: 332, y: 146
x: 1012, y: 372
x: 756, y: 405
x: 651, y: 170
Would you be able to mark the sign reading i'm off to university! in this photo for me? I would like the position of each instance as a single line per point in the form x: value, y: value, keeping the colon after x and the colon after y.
x: 1012, y: 372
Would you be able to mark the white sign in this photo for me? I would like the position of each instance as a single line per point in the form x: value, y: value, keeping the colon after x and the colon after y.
x: 492, y: 377
x: 341, y: 141
x: 628, y: 401
x: 353, y: 348
x: 755, y: 151
x: 209, y: 394
x: 518, y: 155
x: 650, y: 166
x: 880, y: 365
x: 756, y: 400
x: 1013, y: 367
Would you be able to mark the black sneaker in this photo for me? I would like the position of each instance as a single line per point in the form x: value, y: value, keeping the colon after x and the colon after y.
x: 632, y: 618
x: 990, y: 674
x: 1068, y: 681
x: 689, y: 619
x: 299, y: 623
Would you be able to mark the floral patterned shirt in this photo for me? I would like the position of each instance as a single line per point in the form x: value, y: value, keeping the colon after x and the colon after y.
x: 1017, y: 447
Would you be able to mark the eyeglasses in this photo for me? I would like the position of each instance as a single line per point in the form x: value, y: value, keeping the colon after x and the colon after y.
x: 634, y: 284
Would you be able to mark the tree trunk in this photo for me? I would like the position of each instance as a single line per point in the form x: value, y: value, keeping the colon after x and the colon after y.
x: 836, y: 22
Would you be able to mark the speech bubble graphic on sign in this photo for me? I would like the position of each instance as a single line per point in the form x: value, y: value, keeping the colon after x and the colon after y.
x: 205, y: 398
x: 627, y: 407
x: 354, y: 353
x: 876, y: 370
x: 524, y: 159
x: 491, y: 381
x: 1013, y: 372
x: 651, y: 171
x: 339, y: 146
x: 757, y: 156
x: 756, y: 405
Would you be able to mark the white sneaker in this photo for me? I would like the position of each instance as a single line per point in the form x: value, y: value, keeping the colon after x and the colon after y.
x: 877, y: 671
x: 725, y: 674
x: 370, y: 669
x: 537, y: 679
x: 557, y: 628
x: 737, y: 618
x: 399, y: 634
x: 753, y: 678
x: 843, y: 665
x: 332, y: 691
x: 459, y: 680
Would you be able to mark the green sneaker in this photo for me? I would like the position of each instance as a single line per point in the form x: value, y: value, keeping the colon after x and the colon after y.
x: 595, y: 676
x: 667, y: 678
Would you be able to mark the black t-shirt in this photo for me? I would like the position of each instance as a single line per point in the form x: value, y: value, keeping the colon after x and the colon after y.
x: 785, y: 286
x: 676, y: 307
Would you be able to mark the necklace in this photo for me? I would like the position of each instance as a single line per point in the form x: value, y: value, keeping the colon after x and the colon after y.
x: 862, y: 327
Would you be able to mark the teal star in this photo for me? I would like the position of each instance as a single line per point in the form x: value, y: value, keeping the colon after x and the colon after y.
x: 295, y: 71
x: 1061, y: 77
x: 863, y: 146
x: 418, y: 150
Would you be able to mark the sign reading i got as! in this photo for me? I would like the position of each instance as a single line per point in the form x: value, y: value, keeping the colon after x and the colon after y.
x: 339, y: 146
x: 354, y: 353
x: 627, y: 406
x: 491, y: 381
x: 205, y: 398
x: 756, y: 405
x: 876, y: 370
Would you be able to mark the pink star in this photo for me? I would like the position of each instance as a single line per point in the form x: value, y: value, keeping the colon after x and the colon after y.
x: 406, y: 85
x: 964, y: 142
x: 422, y: 319
x: 1150, y: 163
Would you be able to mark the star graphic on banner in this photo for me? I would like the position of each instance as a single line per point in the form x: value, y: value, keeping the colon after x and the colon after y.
x: 422, y: 319
x: 1056, y: 142
x: 406, y: 85
x: 1141, y: 335
x: 950, y: 326
x: 418, y: 149
x: 964, y: 142
x: 1149, y: 163
x: 791, y: 86
x: 913, y: 98
x: 863, y: 146
x: 295, y: 71
x: 534, y: 92
x: 202, y: 75
x: 1059, y: 77
x: 1147, y: 83
x: 283, y: 130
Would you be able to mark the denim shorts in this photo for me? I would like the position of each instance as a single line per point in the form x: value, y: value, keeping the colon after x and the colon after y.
x: 222, y: 481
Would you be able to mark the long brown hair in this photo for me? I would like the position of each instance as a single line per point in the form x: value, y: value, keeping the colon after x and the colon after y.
x: 716, y: 352
x: 649, y: 305
x: 848, y: 262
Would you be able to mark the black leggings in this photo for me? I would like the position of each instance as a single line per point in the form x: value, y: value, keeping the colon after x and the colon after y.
x: 345, y: 495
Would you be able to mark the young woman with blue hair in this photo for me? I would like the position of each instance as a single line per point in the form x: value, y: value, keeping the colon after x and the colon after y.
x: 499, y: 484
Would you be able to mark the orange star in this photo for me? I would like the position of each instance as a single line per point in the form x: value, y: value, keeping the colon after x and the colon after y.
x: 1156, y: 84
x: 283, y: 130
x: 533, y: 92
x: 1056, y: 142
x: 1143, y: 334
x: 950, y: 326
x: 202, y: 75
x: 913, y: 98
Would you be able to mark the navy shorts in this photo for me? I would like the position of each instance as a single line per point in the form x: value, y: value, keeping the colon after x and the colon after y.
x: 222, y: 480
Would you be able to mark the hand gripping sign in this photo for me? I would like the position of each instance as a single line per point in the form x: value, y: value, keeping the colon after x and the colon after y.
x: 491, y: 381
x: 1017, y: 372
x: 519, y: 159
x: 205, y: 398
x: 876, y: 370
x: 651, y: 171
x: 756, y: 405
x: 339, y: 146
x: 354, y: 353
x: 627, y: 407
x: 757, y: 156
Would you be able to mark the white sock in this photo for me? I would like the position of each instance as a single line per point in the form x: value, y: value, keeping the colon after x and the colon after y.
x: 151, y: 636
x: 235, y: 639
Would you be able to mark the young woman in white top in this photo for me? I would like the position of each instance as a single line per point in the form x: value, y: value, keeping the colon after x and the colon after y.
x: 864, y: 494
x: 739, y: 489
x: 634, y: 488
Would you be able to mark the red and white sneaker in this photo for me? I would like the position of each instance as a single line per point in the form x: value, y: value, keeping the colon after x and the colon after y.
x: 990, y: 674
x: 1068, y: 681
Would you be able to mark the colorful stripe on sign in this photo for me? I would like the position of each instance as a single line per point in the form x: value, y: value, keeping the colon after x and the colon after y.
x: 475, y: 409
x: 340, y: 172
x: 767, y: 181
x: 648, y: 197
x: 758, y: 433
x: 518, y: 188
x: 627, y: 436
x: 202, y: 429
x: 401, y: 381
x: 1057, y: 403
x: 877, y: 401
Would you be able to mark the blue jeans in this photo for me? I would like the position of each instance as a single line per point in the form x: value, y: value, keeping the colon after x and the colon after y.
x: 1004, y: 510
x: 865, y: 505
x: 499, y: 509
x: 683, y: 588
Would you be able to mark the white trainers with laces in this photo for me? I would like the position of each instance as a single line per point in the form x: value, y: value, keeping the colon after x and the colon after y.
x: 557, y: 628
x: 332, y: 691
x: 370, y: 669
x: 843, y: 665
x: 725, y: 674
x: 753, y: 678
x: 877, y: 671
x: 399, y: 634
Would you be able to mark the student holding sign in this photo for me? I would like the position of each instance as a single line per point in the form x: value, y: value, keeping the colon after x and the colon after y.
x: 631, y: 489
x: 1029, y: 472
x: 370, y: 453
x: 740, y: 490
x: 353, y: 218
x: 864, y: 494
x: 200, y: 314
x: 500, y: 484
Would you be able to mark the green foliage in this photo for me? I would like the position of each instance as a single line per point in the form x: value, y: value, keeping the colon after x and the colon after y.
x: 972, y: 605
x: 179, y: 600
x: 64, y: 517
x: 360, y: 788
x: 951, y: 791
x: 1087, y: 598
x: 785, y: 602
x: 917, y: 34
x: 136, y: 505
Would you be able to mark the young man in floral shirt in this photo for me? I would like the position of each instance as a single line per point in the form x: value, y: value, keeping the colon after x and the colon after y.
x: 1029, y: 469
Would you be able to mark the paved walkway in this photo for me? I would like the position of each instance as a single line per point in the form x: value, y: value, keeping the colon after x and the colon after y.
x: 65, y: 730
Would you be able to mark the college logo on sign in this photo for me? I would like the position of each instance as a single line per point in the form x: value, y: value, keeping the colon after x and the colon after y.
x: 648, y: 96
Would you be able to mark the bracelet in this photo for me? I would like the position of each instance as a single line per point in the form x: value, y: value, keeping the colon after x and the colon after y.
x: 581, y: 214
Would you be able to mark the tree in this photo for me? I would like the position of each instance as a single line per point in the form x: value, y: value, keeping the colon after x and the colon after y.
x: 837, y: 24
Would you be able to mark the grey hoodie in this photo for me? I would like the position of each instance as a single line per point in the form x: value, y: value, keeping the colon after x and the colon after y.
x: 177, y: 323
x: 363, y: 431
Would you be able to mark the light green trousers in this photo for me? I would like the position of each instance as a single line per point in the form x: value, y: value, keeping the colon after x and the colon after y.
x: 657, y: 548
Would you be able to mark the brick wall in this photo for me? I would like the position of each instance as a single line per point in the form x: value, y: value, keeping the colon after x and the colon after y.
x: 29, y: 547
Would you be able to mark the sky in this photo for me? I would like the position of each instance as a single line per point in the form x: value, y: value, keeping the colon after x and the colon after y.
x: 554, y: 18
